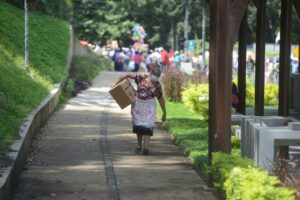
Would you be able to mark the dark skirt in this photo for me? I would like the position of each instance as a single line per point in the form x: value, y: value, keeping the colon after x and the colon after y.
x: 142, y: 130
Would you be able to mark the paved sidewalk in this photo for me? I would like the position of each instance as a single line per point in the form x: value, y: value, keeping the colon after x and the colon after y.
x: 86, y: 152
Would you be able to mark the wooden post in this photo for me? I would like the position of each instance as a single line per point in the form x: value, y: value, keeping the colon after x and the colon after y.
x: 242, y: 65
x: 225, y: 19
x: 260, y: 57
x: 284, y: 60
x: 203, y: 35
x: 297, y: 8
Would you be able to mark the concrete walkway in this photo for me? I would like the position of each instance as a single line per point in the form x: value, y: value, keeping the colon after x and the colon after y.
x: 86, y: 152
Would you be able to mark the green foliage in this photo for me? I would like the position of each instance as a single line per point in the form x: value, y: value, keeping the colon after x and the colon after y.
x: 68, y: 89
x: 21, y: 91
x: 66, y: 92
x: 250, y: 95
x: 195, y: 97
x: 272, y: 54
x: 199, y: 49
x: 57, y: 8
x: 85, y: 68
x: 99, y: 21
x: 173, y: 84
x: 271, y: 94
x: 273, y: 16
x: 235, y: 142
x: 253, y: 183
x: 48, y: 43
x: 222, y: 164
x: 103, y: 21
x: 241, y: 180
x: 189, y: 132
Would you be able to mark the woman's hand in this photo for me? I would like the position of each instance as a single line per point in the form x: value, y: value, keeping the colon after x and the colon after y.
x: 131, y: 76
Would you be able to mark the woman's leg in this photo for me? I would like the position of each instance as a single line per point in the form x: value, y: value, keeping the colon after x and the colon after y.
x: 146, y: 141
x: 139, y: 139
x: 146, y: 144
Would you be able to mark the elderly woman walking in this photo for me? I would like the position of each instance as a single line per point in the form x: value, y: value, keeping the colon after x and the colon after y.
x: 143, y: 109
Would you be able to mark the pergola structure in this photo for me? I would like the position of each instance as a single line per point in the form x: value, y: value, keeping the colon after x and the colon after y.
x: 228, y: 22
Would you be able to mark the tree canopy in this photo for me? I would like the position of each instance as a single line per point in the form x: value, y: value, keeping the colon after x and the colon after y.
x: 163, y: 20
x: 101, y: 21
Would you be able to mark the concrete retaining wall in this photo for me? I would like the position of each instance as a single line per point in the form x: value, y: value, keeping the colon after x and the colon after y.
x: 81, y: 50
x: 20, y: 149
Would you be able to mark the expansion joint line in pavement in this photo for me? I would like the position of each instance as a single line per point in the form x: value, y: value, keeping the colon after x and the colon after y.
x: 107, y: 158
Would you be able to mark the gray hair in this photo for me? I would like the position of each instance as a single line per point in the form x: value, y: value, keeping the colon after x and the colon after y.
x: 156, y: 70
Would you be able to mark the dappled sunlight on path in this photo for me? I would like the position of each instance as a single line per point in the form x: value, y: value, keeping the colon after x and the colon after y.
x: 86, y: 151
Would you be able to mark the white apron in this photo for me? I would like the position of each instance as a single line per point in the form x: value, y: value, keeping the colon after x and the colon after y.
x: 143, y: 112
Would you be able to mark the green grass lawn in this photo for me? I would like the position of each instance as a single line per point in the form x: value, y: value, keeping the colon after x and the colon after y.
x: 189, y: 132
x: 21, y: 91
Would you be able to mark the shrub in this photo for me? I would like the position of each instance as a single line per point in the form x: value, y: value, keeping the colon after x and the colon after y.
x: 288, y: 172
x: 253, y: 183
x: 195, y: 97
x: 222, y: 164
x: 67, y: 91
x: 85, y: 68
x: 69, y: 88
x: 189, y: 133
x: 199, y: 77
x: 271, y: 94
x: 173, y: 83
x: 250, y: 92
x: 235, y: 142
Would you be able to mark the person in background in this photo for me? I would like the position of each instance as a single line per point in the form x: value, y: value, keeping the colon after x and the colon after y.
x: 143, y: 109
x: 177, y: 59
x: 234, y: 97
x: 149, y: 58
x: 118, y: 60
x: 164, y: 58
x: 137, y: 58
x: 171, y: 55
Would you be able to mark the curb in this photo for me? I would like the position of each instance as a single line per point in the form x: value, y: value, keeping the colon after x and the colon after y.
x: 19, y: 150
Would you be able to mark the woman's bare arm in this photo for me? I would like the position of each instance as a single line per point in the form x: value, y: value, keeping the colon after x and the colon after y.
x: 131, y: 76
x: 161, y: 101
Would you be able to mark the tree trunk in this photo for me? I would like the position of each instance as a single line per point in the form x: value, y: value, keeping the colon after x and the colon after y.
x: 186, y: 26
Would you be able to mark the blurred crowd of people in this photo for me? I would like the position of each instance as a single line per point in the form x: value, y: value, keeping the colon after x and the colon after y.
x: 132, y: 60
x: 271, y: 68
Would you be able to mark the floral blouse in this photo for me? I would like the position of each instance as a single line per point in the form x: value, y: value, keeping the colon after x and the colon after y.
x: 145, y: 90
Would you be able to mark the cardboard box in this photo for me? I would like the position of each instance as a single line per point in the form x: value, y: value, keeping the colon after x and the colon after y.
x: 123, y: 93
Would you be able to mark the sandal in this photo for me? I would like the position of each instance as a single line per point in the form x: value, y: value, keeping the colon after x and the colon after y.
x: 138, y: 150
x: 145, y: 151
